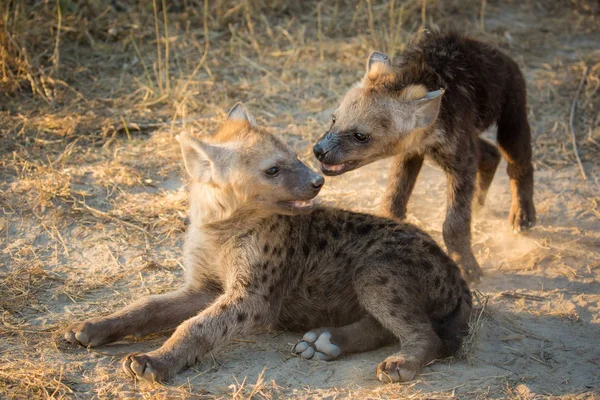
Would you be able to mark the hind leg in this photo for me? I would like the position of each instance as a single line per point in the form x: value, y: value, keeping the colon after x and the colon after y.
x: 489, y: 158
x: 398, y: 308
x: 514, y: 141
x: 420, y: 346
x: 330, y: 343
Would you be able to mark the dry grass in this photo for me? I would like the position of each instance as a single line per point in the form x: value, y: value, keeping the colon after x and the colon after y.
x: 92, y: 208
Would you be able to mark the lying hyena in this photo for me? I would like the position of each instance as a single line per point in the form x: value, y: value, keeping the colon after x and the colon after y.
x: 257, y: 253
x: 435, y: 100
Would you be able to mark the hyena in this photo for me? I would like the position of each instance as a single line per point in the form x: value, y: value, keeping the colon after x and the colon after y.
x: 435, y: 100
x: 259, y: 252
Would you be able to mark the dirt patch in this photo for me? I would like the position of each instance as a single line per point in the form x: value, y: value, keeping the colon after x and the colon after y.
x: 93, y: 206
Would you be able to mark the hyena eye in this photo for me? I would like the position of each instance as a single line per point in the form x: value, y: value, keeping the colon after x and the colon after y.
x: 361, y: 137
x: 272, y: 172
x: 332, y: 119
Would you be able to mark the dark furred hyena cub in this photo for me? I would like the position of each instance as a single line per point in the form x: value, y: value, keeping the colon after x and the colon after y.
x: 435, y: 100
x: 258, y: 252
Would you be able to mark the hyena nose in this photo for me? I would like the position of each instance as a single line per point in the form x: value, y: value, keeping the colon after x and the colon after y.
x: 319, y: 151
x: 317, y: 183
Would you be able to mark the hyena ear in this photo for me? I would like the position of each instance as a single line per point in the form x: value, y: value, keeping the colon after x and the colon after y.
x: 240, y: 113
x: 378, y: 65
x: 201, y: 159
x: 427, y: 109
x: 377, y: 57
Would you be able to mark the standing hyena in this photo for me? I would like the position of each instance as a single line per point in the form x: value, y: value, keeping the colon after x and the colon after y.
x: 435, y: 100
x: 257, y: 253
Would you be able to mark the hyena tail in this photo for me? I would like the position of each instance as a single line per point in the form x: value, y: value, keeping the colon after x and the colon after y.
x: 454, y: 327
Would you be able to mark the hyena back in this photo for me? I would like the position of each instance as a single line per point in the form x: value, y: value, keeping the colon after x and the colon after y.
x: 258, y: 252
x: 435, y: 101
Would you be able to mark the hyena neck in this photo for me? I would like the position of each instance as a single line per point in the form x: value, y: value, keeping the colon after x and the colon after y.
x: 221, y: 210
x: 416, y: 76
x: 415, y: 70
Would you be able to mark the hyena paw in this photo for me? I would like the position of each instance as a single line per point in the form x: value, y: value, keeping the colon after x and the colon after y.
x: 317, y: 345
x: 146, y: 367
x: 87, y: 333
x: 397, y: 369
x: 472, y: 273
x: 522, y: 216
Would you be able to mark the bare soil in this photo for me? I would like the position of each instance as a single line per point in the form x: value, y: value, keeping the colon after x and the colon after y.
x: 93, y: 202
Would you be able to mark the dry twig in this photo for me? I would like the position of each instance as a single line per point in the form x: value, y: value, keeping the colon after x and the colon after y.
x: 117, y: 220
x: 516, y: 295
x: 583, y: 78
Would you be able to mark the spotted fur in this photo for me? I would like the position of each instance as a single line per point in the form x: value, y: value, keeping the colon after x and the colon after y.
x: 363, y: 281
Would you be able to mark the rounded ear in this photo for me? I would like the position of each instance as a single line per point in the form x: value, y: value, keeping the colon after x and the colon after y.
x: 240, y: 113
x: 428, y: 108
x: 434, y: 94
x: 202, y: 160
x: 377, y: 57
x: 379, y: 69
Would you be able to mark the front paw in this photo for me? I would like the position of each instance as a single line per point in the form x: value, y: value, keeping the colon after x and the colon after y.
x: 522, y: 215
x: 146, y: 367
x: 472, y: 273
x: 87, y: 333
x: 470, y: 269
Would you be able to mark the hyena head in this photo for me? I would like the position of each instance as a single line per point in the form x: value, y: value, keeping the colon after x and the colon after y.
x: 243, y: 166
x: 376, y: 120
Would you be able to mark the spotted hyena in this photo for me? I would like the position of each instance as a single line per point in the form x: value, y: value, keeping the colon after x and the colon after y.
x: 435, y: 100
x: 258, y: 251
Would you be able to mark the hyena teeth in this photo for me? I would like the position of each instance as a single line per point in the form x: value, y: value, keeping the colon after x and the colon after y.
x: 334, y: 168
x: 302, y: 203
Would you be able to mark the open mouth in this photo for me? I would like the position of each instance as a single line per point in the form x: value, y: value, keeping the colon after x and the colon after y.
x: 299, y: 204
x: 338, y: 169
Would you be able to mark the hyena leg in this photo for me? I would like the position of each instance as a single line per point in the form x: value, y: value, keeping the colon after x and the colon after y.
x: 420, y: 346
x: 394, y: 307
x: 230, y: 315
x: 457, y: 225
x: 330, y: 343
x: 489, y: 158
x: 402, y: 181
x: 147, y: 315
x: 514, y: 140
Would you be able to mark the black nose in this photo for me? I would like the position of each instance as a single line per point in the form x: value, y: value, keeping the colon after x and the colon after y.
x: 319, y: 151
x: 317, y: 183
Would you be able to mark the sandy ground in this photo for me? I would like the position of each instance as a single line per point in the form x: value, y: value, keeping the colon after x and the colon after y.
x: 87, y: 225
